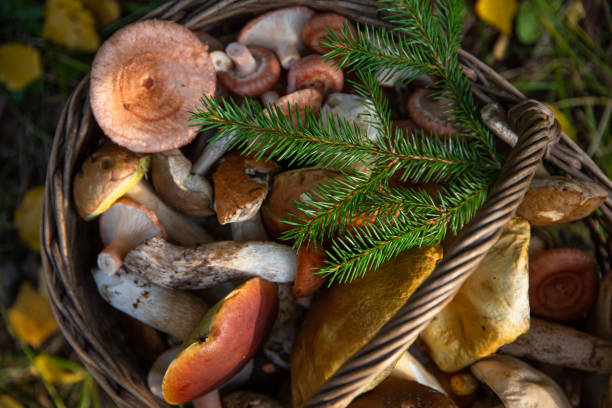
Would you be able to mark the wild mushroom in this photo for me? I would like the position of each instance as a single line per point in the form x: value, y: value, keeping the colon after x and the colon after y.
x: 399, y: 392
x: 145, y: 80
x: 316, y: 73
x: 518, y: 384
x: 212, y: 152
x: 306, y: 280
x: 316, y: 29
x: 326, y: 340
x: 122, y: 227
x: 255, y: 70
x: 352, y: 108
x: 491, y: 308
x: 173, y: 180
x: 409, y: 368
x: 222, y: 344
x: 156, y: 306
x: 555, y: 200
x: 429, y: 113
x: 113, y: 172
x: 207, y: 265
x: 278, y: 30
x: 221, y: 61
x: 300, y: 100
x: 562, y: 284
x: 251, y: 229
x: 564, y: 346
x: 463, y: 383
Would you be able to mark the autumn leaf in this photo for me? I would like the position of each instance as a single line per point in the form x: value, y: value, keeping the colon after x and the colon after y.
x: 6, y: 401
x: 47, y: 367
x: 498, y: 13
x: 20, y: 65
x: 104, y: 11
x: 69, y: 23
x: 31, y: 316
x: 27, y: 217
x: 564, y: 122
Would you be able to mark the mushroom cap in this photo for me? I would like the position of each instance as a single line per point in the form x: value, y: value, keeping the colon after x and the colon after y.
x: 105, y: 176
x: 306, y: 280
x: 177, y: 186
x: 428, y: 113
x: 127, y: 217
x: 223, y: 343
x: 303, y: 98
x: 563, y: 284
x: 314, y: 72
x: 398, y: 392
x: 316, y: 28
x: 278, y: 30
x: 263, y: 78
x: 145, y: 80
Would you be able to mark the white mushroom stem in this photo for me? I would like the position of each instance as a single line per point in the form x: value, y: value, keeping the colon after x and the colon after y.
x: 563, y: 346
x: 519, y: 385
x: 250, y: 230
x: 287, y: 53
x: 242, y: 58
x: 410, y: 368
x: 170, y: 311
x: 212, y: 152
x: 221, y: 61
x: 178, y: 227
x: 207, y: 265
x: 210, y: 400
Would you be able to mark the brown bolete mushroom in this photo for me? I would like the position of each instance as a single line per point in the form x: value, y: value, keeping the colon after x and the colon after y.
x: 429, y: 113
x: 145, y: 80
x: 555, y: 200
x: 306, y: 280
x: 316, y: 73
x: 278, y: 30
x: 207, y: 265
x: 316, y: 28
x: 113, y: 172
x: 156, y: 306
x: 225, y: 340
x: 255, y: 70
x: 518, y: 384
x: 122, y: 227
x: 398, y: 392
x: 562, y: 284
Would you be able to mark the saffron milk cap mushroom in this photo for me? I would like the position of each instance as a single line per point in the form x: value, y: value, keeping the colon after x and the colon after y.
x: 280, y: 31
x: 429, y: 113
x: 300, y: 100
x: 122, y: 227
x: 224, y: 341
x: 316, y: 28
x: 255, y: 70
x: 145, y: 80
x: 314, y: 72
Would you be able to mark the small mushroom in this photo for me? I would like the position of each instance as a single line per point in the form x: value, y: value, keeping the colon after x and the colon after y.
x: 122, y: 227
x: 564, y: 346
x: 145, y: 80
x: 223, y: 343
x: 173, y: 180
x: 113, y: 172
x: 399, y: 392
x: 555, y: 200
x: 429, y: 113
x: 306, y: 280
x: 255, y: 70
x: 156, y: 306
x: 562, y: 284
x: 278, y: 30
x: 316, y: 73
x: 221, y: 61
x: 518, y: 384
x: 207, y: 265
x: 316, y: 28
x: 463, y: 383
x: 248, y: 399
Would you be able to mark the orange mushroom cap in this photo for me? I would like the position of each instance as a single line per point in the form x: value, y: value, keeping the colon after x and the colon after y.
x: 314, y: 72
x: 316, y: 28
x: 145, y: 80
x: 428, y: 113
x: 262, y: 75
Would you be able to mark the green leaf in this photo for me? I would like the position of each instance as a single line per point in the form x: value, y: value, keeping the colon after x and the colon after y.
x: 528, y: 25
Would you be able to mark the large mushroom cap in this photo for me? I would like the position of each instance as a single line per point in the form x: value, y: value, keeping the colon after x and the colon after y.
x: 144, y: 81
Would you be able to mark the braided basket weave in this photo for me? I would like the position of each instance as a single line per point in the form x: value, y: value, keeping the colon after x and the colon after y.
x: 70, y: 244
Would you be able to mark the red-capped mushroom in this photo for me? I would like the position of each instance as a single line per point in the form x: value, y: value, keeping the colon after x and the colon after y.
x: 306, y: 281
x: 316, y: 28
x: 255, y: 70
x: 145, y: 80
x: 123, y: 227
x: 314, y: 72
x: 429, y: 113
x: 278, y: 30
x: 227, y: 338
x: 304, y: 98
x: 562, y: 284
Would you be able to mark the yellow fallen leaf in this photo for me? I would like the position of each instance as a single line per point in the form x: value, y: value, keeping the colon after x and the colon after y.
x: 498, y: 13
x: 31, y: 316
x: 45, y: 366
x: 104, y: 11
x: 70, y: 24
x: 566, y: 125
x: 6, y: 401
x: 20, y: 64
x: 27, y: 217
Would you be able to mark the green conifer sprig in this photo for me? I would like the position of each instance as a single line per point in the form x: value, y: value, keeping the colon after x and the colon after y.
x: 423, y: 41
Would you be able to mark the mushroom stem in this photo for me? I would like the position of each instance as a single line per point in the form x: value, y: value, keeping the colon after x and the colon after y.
x: 208, y: 400
x: 212, y: 152
x: 287, y: 53
x: 249, y: 230
x: 111, y: 258
x: 269, y: 97
x: 562, y: 346
x: 242, y: 58
x: 207, y: 265
x: 178, y: 227
x: 221, y: 61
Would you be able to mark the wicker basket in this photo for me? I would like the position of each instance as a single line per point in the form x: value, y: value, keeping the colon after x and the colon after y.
x: 86, y: 320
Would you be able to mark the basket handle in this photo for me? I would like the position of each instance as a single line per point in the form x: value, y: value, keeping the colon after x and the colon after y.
x: 536, y: 126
